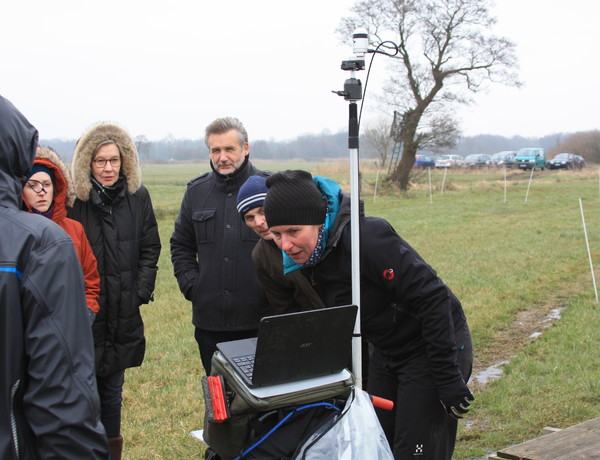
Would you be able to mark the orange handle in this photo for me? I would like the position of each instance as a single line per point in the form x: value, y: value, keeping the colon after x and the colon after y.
x: 381, y: 403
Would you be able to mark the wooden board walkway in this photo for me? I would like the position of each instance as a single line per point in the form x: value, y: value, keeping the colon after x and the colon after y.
x: 578, y: 442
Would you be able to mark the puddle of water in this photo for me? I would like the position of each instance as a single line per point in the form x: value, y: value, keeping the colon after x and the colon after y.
x: 554, y: 314
x: 493, y: 372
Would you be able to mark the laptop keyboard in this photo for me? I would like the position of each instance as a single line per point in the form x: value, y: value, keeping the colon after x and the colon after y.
x: 245, y: 364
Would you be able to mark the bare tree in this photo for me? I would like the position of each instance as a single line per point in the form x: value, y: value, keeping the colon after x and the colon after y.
x: 379, y: 138
x: 586, y: 144
x: 170, y: 143
x: 446, y: 50
x: 143, y: 146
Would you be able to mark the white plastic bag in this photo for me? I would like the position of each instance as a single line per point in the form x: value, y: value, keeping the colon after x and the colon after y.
x: 356, y: 435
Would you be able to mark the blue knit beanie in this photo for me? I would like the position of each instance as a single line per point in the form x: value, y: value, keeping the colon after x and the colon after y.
x: 38, y: 167
x: 251, y: 195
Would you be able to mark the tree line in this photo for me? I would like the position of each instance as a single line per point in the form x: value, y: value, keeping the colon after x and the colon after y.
x: 328, y: 145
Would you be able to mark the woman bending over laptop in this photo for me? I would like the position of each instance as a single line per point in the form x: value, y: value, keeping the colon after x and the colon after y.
x: 422, y: 345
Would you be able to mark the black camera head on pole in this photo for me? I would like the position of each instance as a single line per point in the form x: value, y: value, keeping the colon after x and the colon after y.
x: 352, y: 89
x: 353, y: 64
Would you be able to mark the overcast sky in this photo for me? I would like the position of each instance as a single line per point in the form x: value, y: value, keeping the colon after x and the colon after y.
x: 169, y: 68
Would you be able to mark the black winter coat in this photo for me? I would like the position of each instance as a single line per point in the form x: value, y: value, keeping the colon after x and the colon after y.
x: 124, y: 238
x: 211, y: 251
x: 285, y: 293
x: 406, y: 309
x: 125, y: 241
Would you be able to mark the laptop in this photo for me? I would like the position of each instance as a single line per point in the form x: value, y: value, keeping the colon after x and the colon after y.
x: 294, y: 346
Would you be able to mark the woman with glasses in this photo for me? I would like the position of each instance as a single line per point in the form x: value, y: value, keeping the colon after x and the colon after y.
x: 48, y: 191
x: 116, y: 212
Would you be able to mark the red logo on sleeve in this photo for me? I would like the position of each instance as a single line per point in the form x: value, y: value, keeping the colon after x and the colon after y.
x: 389, y: 274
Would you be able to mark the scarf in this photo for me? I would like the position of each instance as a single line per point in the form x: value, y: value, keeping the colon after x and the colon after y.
x: 108, y: 193
x: 47, y: 214
x: 315, y: 257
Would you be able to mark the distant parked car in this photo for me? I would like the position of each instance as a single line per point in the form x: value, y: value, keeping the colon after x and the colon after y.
x: 449, y: 161
x: 531, y: 158
x: 579, y: 162
x: 562, y: 161
x: 506, y: 158
x: 477, y: 160
x: 424, y: 162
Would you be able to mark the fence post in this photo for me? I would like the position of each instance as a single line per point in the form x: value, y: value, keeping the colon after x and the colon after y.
x: 588, y: 249
x: 529, y: 185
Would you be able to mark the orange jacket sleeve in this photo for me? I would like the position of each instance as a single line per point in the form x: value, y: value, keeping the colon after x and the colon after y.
x: 87, y: 260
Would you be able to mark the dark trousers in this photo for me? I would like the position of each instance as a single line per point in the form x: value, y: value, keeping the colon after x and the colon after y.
x: 207, y: 342
x: 418, y: 427
x: 110, y: 389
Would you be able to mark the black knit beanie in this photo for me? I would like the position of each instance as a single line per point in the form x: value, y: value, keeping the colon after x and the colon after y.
x: 294, y: 199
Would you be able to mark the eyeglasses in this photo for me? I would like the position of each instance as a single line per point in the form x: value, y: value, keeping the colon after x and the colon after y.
x: 38, y: 187
x: 101, y: 163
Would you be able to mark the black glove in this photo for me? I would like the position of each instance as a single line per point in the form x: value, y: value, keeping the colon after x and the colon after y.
x: 458, y: 406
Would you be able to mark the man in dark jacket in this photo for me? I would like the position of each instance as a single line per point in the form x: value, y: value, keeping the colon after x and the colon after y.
x: 211, y: 247
x: 49, y: 405
x: 422, y: 352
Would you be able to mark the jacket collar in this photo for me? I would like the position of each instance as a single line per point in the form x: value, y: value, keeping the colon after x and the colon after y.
x: 237, y: 177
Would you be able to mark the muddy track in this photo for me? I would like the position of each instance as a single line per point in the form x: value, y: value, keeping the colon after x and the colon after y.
x: 508, y: 342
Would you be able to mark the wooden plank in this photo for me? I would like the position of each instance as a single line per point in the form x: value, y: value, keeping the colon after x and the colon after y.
x: 579, y: 442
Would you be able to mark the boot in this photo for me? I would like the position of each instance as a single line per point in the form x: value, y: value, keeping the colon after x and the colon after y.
x: 115, y: 447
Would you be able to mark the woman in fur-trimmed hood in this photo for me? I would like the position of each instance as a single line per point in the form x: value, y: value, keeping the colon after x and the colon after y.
x: 48, y: 190
x: 116, y: 212
x: 102, y: 134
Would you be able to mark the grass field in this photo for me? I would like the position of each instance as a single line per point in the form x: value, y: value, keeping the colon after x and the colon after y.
x: 506, y: 248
